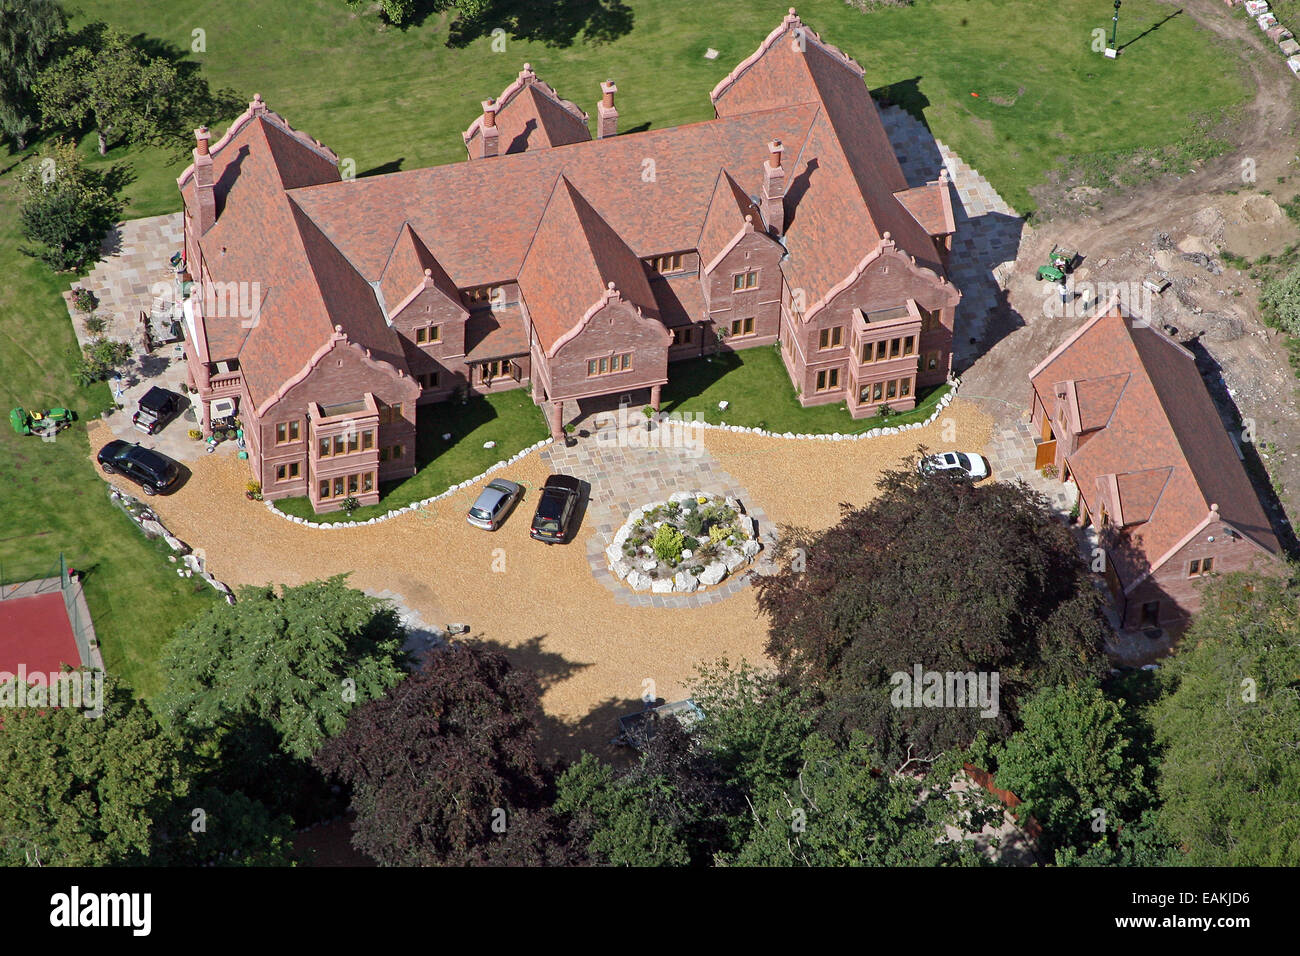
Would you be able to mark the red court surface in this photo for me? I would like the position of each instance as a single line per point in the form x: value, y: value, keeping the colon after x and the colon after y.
x: 35, y: 632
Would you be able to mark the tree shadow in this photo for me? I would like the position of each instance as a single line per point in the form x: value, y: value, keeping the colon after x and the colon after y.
x: 555, y: 24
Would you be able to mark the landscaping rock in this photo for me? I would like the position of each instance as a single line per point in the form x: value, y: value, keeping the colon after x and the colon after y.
x: 713, y: 574
x: 749, y: 548
x: 152, y: 528
x: 458, y: 628
x: 662, y: 586
x: 685, y: 582
x: 734, y: 560
x: 638, y: 581
x: 620, y: 569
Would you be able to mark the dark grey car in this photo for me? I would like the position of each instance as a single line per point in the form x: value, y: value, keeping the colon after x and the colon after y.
x: 493, y: 504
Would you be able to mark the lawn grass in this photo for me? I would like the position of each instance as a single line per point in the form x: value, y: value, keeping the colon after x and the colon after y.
x: 388, y: 99
x: 51, y: 498
x: 508, y: 418
x: 758, y: 392
x: 398, y: 99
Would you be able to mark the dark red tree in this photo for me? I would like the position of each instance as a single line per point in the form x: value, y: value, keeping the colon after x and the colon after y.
x: 444, y: 769
x: 941, y: 573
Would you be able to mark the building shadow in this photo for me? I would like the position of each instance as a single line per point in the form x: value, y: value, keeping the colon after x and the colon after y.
x: 986, y: 241
x: 383, y: 169
x: 1256, y: 470
x: 906, y: 95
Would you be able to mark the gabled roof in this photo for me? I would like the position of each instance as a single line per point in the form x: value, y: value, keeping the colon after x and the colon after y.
x: 531, y: 115
x: 311, y: 288
x: 848, y: 184
x: 725, y: 219
x: 409, y: 265
x: 931, y: 206
x: 1162, y: 444
x: 574, y: 262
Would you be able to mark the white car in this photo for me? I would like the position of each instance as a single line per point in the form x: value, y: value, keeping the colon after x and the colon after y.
x: 955, y: 463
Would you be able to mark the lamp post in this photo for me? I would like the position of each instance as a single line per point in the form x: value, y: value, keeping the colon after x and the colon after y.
x: 1114, y: 26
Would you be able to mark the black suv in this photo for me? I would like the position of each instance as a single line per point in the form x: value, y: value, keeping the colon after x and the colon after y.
x: 157, y: 407
x: 151, y: 470
x: 556, y: 506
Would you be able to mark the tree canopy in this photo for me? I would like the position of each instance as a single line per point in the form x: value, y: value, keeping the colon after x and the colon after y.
x: 444, y: 768
x: 300, y: 660
x: 940, y: 575
x: 1229, y: 726
x: 29, y: 33
x: 1075, y: 767
x: 106, y: 81
x: 117, y: 790
x: 65, y: 209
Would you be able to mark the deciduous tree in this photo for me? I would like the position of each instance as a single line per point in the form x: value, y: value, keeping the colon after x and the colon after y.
x: 444, y: 768
x: 65, y: 208
x: 29, y: 31
x: 1230, y: 727
x: 944, y: 575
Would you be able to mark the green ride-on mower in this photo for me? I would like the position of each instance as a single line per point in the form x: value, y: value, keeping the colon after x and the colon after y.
x: 1060, y: 263
x: 41, y: 423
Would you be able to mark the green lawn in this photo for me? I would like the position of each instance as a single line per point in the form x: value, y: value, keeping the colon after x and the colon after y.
x: 508, y: 418
x: 390, y: 99
x: 52, y: 500
x: 757, y: 388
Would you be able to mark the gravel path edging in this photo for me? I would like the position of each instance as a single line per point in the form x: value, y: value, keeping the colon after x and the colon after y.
x: 415, y: 505
x: 943, y: 403
x: 152, y: 527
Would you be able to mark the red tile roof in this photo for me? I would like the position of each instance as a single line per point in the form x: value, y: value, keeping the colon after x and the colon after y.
x: 1162, y: 444
x: 574, y: 260
x: 725, y: 219
x: 316, y: 248
x: 409, y: 264
x: 531, y: 115
x: 304, y: 285
x: 498, y: 333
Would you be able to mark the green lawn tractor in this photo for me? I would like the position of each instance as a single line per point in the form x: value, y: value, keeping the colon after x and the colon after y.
x: 41, y: 423
x: 1060, y: 263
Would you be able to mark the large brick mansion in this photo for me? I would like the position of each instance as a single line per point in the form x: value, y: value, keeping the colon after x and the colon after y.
x: 582, y: 266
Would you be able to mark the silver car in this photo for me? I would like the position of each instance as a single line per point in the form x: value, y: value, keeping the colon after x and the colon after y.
x: 490, y: 509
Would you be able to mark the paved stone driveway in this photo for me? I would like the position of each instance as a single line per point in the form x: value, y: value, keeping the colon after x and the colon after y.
x: 1012, y: 454
x: 623, y: 478
x: 137, y: 263
x: 988, y: 230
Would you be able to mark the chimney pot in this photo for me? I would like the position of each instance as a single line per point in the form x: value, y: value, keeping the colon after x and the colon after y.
x: 201, y: 137
x: 490, y: 113
x: 607, y: 114
x: 775, y: 149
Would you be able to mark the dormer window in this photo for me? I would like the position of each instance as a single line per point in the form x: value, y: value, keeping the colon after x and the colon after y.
x: 665, y: 264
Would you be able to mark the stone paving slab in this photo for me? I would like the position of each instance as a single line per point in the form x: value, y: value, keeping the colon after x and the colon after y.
x: 988, y: 229
x: 136, y: 265
x: 624, y: 478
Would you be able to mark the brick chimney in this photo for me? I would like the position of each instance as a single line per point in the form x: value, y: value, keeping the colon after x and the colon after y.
x: 607, y: 114
x: 205, y: 215
x: 488, y: 130
x: 773, y: 195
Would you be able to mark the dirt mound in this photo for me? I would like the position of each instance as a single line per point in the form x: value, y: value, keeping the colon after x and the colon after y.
x: 1259, y: 209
